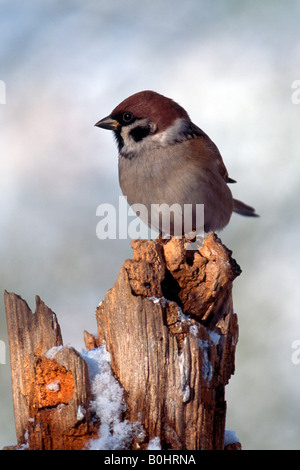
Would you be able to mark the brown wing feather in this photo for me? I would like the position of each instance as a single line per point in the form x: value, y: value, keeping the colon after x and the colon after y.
x: 203, y: 149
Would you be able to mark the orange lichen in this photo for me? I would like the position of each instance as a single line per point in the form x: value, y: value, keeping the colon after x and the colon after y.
x: 54, y: 383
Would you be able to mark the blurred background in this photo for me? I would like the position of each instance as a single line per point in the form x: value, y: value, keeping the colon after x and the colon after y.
x: 231, y: 65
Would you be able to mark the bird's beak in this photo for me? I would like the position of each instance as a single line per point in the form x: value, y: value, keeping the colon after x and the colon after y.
x: 108, y: 123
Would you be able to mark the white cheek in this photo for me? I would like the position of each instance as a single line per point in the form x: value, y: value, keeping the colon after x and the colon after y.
x: 152, y: 141
x: 130, y: 145
x: 170, y: 135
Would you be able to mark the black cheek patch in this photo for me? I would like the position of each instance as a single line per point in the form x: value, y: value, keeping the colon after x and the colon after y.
x: 119, y: 140
x: 139, y: 133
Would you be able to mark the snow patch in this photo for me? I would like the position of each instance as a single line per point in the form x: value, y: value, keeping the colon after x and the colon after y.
x: 80, y: 413
x: 154, y: 444
x: 51, y: 353
x: 109, y: 404
x: 206, y: 364
x: 230, y: 437
x: 185, y: 388
x: 156, y: 300
x: 215, y: 337
x: 54, y: 386
x: 194, y: 330
x: 182, y: 316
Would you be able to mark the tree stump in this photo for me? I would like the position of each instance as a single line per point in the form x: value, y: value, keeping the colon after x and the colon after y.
x: 170, y: 331
x: 51, y: 392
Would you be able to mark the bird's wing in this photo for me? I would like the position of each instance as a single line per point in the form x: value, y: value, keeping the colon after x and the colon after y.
x: 206, y: 150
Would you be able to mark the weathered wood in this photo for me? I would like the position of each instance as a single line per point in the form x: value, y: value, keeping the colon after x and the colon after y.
x: 50, y: 383
x: 169, y: 327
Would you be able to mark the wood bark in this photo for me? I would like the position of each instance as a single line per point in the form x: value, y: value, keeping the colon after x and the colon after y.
x: 169, y: 327
x: 50, y: 383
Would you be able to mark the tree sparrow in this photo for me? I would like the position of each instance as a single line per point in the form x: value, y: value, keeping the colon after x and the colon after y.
x: 167, y: 161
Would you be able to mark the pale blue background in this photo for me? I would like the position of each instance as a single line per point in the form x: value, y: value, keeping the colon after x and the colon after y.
x: 231, y: 64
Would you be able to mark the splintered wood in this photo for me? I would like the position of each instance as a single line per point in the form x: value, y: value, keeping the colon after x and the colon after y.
x: 169, y: 327
x: 49, y: 382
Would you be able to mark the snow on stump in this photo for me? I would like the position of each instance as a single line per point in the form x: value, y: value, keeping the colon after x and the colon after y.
x: 153, y: 377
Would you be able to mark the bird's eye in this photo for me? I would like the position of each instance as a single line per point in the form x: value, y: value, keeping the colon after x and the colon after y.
x: 127, y: 117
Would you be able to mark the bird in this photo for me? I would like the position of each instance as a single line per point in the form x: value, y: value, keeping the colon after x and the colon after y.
x: 168, y: 163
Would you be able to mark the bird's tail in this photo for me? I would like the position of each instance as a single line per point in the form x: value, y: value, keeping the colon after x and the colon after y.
x: 243, y: 209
